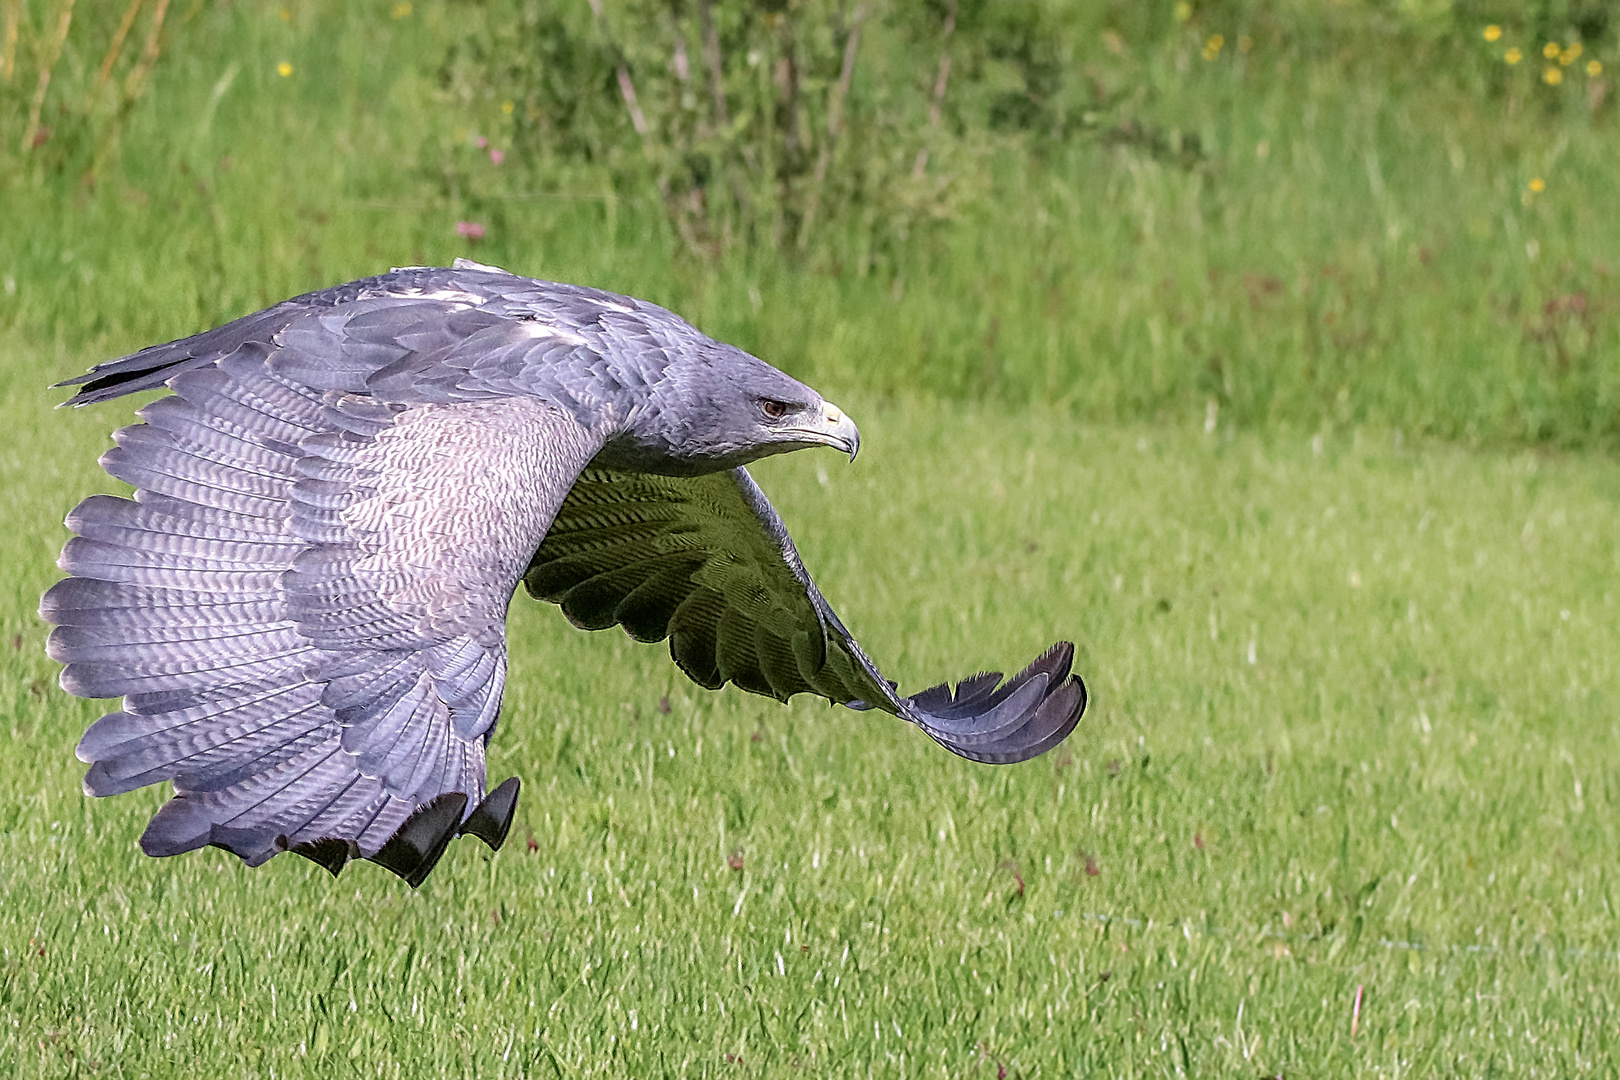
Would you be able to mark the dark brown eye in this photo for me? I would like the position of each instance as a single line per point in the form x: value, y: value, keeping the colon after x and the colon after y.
x: 773, y: 409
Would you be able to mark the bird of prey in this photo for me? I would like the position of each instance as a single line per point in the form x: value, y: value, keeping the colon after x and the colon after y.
x: 304, y: 606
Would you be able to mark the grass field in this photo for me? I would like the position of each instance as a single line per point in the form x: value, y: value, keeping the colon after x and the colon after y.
x: 1352, y: 730
x: 1282, y: 380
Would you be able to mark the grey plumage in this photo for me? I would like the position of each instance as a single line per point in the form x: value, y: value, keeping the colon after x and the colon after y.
x: 303, y: 607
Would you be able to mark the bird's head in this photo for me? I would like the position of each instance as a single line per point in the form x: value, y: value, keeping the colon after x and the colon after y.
x: 721, y: 408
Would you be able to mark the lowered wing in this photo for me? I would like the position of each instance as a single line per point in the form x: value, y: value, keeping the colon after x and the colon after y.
x: 707, y: 563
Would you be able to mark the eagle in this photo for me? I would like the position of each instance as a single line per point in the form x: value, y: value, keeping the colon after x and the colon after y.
x: 303, y: 606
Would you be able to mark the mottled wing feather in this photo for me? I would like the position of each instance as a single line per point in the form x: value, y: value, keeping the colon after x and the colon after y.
x: 706, y: 562
x: 303, y: 607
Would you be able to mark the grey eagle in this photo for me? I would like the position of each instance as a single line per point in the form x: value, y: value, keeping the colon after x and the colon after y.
x: 304, y: 605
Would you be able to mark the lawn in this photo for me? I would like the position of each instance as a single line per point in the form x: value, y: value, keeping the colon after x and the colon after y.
x: 1351, y: 734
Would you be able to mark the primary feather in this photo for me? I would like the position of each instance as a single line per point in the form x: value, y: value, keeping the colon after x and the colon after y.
x: 303, y: 607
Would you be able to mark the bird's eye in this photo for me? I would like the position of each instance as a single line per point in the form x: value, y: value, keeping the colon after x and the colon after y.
x: 773, y: 409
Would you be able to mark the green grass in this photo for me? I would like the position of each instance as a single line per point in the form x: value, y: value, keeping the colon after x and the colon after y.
x: 1352, y: 727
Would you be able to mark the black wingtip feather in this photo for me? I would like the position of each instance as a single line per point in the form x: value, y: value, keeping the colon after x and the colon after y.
x: 414, y: 850
x: 330, y: 854
x: 493, y: 818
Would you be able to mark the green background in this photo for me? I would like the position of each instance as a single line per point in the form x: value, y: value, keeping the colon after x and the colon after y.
x: 1261, y: 370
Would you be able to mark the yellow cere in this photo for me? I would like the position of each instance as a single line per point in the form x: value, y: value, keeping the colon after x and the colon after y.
x: 1493, y: 33
x: 1513, y: 55
x: 284, y: 69
x: 1538, y: 185
x: 1552, y: 76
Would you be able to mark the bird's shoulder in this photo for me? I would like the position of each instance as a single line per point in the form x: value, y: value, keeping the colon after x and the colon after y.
x: 485, y: 330
x: 501, y: 293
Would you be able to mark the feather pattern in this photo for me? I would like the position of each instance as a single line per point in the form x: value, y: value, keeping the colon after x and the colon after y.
x: 307, y: 646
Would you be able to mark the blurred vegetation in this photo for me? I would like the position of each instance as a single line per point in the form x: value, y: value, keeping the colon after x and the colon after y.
x: 1267, y: 212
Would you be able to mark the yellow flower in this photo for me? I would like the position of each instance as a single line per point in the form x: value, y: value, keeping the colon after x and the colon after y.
x: 1513, y: 55
x: 1550, y: 50
x: 1493, y: 32
x: 1538, y: 185
x: 286, y: 15
x: 1552, y: 76
x: 507, y: 107
x: 1212, y: 47
x: 1593, y: 68
x: 1183, y: 11
x: 284, y: 69
x: 402, y: 10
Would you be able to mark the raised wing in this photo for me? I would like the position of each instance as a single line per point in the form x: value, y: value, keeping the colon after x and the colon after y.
x: 707, y: 563
x: 304, y: 606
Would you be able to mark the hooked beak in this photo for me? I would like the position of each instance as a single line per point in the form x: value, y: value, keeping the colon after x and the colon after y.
x: 839, y: 431
x: 832, y: 428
